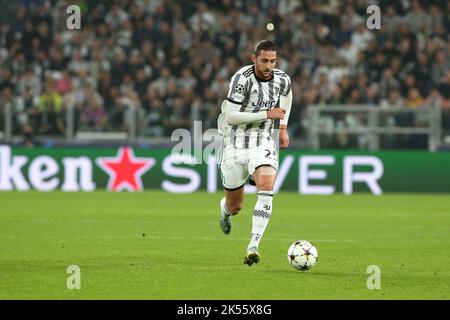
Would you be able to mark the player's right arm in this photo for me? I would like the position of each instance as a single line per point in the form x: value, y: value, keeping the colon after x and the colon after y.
x: 234, y: 116
x: 232, y: 106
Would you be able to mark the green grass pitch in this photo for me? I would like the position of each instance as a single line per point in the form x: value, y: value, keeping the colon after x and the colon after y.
x: 155, y: 245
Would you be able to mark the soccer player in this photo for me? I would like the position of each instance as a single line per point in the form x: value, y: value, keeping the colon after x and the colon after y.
x: 258, y: 102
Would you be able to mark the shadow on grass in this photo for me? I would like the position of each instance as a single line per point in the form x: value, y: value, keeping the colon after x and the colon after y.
x: 314, y: 273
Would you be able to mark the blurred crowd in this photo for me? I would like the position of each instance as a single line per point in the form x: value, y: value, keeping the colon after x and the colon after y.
x: 168, y: 63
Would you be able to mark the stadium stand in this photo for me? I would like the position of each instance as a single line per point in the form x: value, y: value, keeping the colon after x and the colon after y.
x: 169, y: 62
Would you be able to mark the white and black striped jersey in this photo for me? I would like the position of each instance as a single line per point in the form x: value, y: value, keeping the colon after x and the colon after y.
x: 253, y: 95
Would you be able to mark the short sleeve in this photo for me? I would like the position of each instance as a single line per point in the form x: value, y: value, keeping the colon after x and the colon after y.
x: 237, y: 88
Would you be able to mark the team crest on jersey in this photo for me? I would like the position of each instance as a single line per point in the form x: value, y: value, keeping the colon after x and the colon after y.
x: 277, y: 89
x: 239, y: 88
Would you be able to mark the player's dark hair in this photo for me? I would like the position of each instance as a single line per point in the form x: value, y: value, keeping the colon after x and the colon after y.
x: 265, y: 45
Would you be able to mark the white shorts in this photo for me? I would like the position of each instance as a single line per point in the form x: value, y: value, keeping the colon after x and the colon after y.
x: 236, y: 165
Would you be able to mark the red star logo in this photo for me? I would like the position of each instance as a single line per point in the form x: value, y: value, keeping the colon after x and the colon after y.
x: 125, y: 170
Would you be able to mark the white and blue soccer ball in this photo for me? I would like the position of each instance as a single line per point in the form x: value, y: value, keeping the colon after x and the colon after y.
x: 302, y: 255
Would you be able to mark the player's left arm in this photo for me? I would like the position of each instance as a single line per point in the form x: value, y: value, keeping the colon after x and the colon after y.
x: 285, y: 103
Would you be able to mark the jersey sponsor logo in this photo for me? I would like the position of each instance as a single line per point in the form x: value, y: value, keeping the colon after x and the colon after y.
x: 264, y: 104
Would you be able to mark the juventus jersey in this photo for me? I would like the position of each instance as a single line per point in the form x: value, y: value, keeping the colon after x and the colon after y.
x: 253, y: 95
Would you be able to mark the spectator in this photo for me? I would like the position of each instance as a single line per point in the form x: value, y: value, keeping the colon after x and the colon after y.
x: 93, y: 115
x: 28, y: 138
x: 15, y: 106
x: 440, y: 66
x: 388, y: 83
x: 414, y: 100
x: 116, y: 119
x: 50, y: 109
x: 155, y: 119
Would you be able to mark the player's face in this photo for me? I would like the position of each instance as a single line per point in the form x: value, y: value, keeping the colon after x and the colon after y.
x: 264, y: 63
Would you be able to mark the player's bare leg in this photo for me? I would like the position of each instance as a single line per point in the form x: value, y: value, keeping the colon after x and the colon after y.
x: 264, y: 178
x: 230, y: 205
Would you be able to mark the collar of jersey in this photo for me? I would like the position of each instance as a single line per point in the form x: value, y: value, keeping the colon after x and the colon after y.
x: 259, y: 79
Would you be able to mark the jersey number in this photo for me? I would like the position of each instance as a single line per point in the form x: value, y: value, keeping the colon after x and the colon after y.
x: 269, y: 153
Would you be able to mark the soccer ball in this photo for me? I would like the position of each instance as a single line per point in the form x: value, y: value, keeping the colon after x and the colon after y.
x: 302, y: 255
